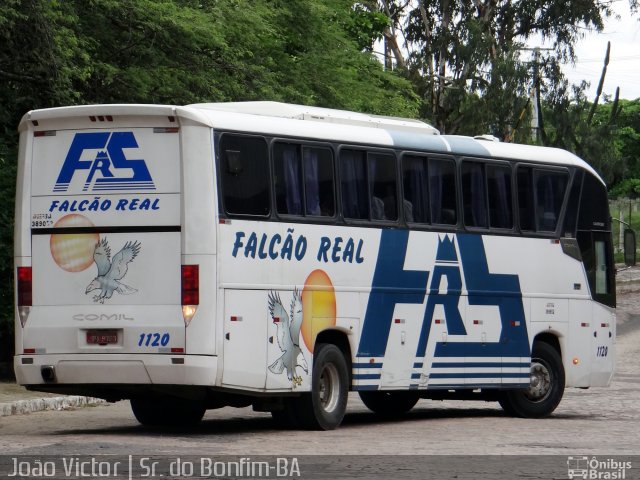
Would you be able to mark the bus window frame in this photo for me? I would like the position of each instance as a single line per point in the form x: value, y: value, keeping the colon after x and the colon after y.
x: 561, y: 215
x: 218, y: 166
x: 368, y: 222
x: 448, y: 227
x: 329, y: 219
x: 514, y: 230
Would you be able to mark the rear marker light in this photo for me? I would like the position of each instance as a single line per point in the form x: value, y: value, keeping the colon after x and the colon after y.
x: 188, y: 311
x: 177, y: 350
x: 44, y: 133
x: 29, y: 351
x: 24, y: 287
x: 576, y: 361
x: 101, y: 118
x: 190, y: 291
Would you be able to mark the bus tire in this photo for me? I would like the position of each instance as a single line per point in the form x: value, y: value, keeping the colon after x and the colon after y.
x: 167, y: 411
x: 324, y: 407
x: 546, y: 388
x: 389, y: 403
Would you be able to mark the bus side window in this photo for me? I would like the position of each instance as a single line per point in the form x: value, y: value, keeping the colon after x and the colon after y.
x: 499, y: 190
x: 353, y: 176
x: 550, y: 188
x: 383, y: 186
x: 442, y: 191
x: 474, y: 195
x: 415, y: 181
x: 287, y: 169
x: 318, y: 181
x: 526, y: 205
x: 244, y: 166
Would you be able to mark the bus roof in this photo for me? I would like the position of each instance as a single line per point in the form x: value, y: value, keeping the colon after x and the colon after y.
x: 287, y: 120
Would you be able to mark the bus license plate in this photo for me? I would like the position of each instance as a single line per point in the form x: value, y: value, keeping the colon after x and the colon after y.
x: 102, y: 337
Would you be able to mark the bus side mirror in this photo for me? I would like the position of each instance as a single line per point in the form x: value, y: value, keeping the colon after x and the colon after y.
x: 629, y: 247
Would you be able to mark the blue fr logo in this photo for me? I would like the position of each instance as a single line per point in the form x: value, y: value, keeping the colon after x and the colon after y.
x: 107, y: 167
x: 393, y: 285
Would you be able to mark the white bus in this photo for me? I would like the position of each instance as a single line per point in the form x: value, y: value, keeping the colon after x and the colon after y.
x: 280, y: 256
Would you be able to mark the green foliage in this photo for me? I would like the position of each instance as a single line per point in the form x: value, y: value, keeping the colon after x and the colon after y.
x: 629, y: 188
x: 67, y: 52
x: 474, y: 48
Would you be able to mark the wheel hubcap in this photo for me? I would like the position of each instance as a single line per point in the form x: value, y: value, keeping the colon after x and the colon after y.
x: 329, y: 387
x: 540, y: 385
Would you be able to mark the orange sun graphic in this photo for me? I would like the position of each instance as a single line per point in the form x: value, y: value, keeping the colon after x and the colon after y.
x: 73, y: 252
x: 318, y: 306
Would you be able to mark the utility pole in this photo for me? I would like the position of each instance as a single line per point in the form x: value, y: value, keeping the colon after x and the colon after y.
x: 535, y: 92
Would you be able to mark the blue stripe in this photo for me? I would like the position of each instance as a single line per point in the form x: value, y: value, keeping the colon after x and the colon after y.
x: 418, y: 365
x: 480, y: 365
x: 122, y: 187
x: 365, y: 387
x: 367, y: 365
x: 471, y: 386
x: 367, y: 376
x: 478, y: 375
x: 415, y: 376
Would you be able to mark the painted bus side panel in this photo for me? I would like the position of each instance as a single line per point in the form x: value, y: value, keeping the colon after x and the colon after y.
x: 578, y: 344
x: 603, y: 345
x: 199, y: 226
x: 245, y: 344
x: 437, y: 310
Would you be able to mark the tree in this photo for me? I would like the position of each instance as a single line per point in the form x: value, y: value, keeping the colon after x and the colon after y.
x: 69, y: 52
x: 458, y: 49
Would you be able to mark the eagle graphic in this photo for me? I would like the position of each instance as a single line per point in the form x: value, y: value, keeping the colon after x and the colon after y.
x: 111, y: 272
x: 288, y: 334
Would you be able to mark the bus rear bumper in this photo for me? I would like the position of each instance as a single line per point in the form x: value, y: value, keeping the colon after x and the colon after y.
x: 103, y: 369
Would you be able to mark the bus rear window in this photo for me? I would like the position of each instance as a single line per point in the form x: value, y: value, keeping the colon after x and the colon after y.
x: 244, y: 167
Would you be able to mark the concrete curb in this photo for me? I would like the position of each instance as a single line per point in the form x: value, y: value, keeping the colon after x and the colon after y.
x: 51, y: 403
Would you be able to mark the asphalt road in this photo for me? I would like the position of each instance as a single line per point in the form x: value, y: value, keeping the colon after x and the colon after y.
x: 600, y: 422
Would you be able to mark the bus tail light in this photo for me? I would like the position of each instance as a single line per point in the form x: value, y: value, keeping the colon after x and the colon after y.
x: 25, y: 290
x: 190, y: 292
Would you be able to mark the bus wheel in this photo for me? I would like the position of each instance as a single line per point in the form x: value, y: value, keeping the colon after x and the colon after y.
x: 389, y: 403
x: 325, y: 406
x: 167, y: 411
x: 545, y: 390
